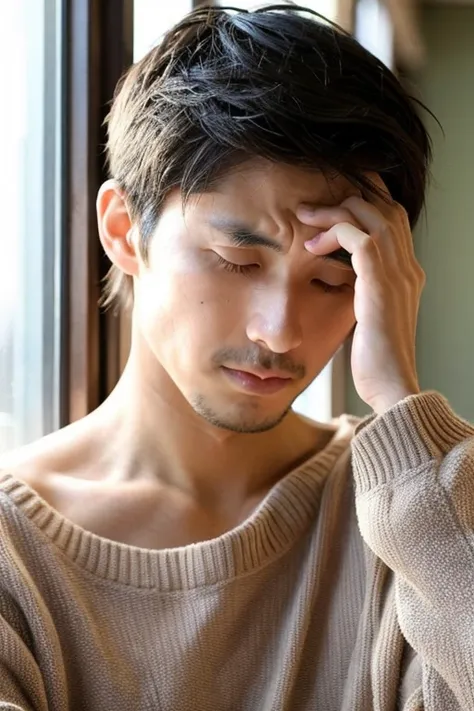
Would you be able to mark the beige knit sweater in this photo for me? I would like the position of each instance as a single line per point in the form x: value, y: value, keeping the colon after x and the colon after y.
x: 292, y: 610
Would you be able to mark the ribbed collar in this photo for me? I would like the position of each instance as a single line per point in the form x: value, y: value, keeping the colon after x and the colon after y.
x: 281, y: 518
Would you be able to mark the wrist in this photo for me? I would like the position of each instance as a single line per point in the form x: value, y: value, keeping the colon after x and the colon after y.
x: 392, y: 398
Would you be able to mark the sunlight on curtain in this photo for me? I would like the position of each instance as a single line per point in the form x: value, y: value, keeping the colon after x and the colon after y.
x: 29, y: 239
x: 151, y: 19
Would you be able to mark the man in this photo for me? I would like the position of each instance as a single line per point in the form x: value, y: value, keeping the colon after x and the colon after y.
x: 194, y: 543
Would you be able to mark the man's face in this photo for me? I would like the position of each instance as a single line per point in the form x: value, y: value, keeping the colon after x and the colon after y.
x: 221, y: 310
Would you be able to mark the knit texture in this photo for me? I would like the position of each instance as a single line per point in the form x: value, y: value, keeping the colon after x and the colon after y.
x: 349, y: 588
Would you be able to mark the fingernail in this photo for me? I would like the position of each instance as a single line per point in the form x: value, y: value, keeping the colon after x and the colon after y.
x: 314, y: 240
x: 305, y: 210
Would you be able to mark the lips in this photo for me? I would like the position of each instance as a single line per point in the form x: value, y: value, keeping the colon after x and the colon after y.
x: 260, y: 382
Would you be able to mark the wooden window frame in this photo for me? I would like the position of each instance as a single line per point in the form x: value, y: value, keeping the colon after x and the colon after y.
x: 98, y: 48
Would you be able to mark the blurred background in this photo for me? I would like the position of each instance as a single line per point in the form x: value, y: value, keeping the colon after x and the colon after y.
x: 60, y: 355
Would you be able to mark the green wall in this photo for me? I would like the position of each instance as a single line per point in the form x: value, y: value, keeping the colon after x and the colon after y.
x: 444, y: 238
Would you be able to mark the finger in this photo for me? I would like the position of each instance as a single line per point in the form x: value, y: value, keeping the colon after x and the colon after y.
x: 383, y: 199
x: 325, y: 242
x: 384, y: 202
x: 378, y: 181
x: 390, y: 238
x: 324, y: 217
x: 392, y: 210
x: 366, y: 257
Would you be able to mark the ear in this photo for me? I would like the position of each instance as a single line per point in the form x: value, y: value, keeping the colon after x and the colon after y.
x: 115, y: 228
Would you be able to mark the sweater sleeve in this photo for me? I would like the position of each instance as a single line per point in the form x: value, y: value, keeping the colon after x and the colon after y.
x: 21, y: 685
x: 31, y: 676
x: 414, y: 478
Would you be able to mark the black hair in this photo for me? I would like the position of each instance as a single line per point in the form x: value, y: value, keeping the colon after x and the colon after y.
x: 227, y: 85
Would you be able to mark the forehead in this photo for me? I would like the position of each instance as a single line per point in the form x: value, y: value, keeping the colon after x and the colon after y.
x: 264, y: 185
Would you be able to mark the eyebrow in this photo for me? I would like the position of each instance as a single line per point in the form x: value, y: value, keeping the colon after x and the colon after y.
x: 242, y: 236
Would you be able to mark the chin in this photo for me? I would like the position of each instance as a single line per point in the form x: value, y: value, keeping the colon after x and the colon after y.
x: 245, y: 419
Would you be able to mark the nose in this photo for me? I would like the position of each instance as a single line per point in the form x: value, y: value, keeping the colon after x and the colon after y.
x: 275, y: 323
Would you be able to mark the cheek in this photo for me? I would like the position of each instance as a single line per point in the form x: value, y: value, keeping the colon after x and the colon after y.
x: 327, y: 325
x: 187, y: 314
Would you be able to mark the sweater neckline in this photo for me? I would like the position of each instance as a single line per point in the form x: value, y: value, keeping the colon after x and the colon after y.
x: 270, y: 530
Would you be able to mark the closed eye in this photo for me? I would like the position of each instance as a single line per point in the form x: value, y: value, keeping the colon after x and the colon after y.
x: 329, y: 288
x: 246, y: 269
x: 235, y: 268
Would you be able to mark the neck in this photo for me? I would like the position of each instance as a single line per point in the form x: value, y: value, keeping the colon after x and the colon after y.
x: 152, y: 433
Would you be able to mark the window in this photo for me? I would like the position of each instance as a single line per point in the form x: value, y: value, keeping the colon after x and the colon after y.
x: 328, y: 8
x: 374, y: 29
x: 30, y: 239
x: 151, y: 19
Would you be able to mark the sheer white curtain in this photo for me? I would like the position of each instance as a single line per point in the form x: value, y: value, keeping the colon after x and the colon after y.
x: 374, y: 29
x: 151, y: 19
x: 325, y: 7
x: 30, y: 146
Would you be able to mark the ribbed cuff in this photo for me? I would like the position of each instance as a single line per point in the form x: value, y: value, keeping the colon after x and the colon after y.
x: 413, y: 432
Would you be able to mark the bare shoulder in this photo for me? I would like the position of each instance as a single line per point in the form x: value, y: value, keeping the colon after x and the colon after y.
x: 44, y: 462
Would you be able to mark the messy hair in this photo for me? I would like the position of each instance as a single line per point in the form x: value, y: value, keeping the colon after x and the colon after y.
x: 281, y: 83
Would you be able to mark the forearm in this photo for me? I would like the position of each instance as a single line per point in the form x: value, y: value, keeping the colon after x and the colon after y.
x: 414, y: 476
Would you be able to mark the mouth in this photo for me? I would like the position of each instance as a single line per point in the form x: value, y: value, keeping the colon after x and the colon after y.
x: 264, y: 382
